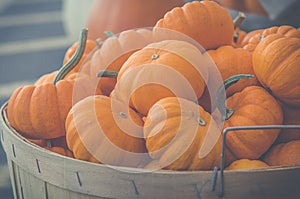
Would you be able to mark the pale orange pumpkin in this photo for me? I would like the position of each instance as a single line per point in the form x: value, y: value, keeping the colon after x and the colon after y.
x: 155, y: 71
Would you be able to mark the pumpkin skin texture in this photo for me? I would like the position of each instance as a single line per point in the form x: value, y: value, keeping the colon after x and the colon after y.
x: 230, y: 61
x: 206, y: 22
x: 98, y: 131
x: 291, y: 116
x: 276, y: 63
x: 243, y: 164
x: 46, y: 78
x: 157, y: 68
x: 284, y: 154
x: 114, y: 52
x: 288, y: 31
x: 174, y: 136
x: 253, y: 106
x: 39, y: 112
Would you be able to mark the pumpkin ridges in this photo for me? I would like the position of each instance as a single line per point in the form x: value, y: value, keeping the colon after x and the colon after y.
x: 193, y: 21
x: 45, y: 96
x: 274, y: 59
x: 18, y: 107
x: 284, y: 154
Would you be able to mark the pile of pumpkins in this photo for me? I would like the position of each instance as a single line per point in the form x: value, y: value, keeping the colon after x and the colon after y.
x: 160, y: 98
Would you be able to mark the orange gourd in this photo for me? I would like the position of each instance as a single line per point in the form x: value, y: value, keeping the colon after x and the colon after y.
x: 230, y: 61
x: 39, y: 111
x: 243, y: 164
x: 291, y: 116
x: 284, y: 154
x: 180, y: 135
x: 158, y: 68
x: 276, y: 61
x: 114, y: 51
x: 286, y: 30
x: 253, y: 106
x: 104, y: 130
x: 206, y: 22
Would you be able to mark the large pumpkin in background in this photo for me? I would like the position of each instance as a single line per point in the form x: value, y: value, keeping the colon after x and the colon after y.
x: 120, y: 15
x: 276, y: 63
x: 206, y: 22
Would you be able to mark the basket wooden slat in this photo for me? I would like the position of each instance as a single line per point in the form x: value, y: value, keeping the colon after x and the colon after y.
x: 38, y: 173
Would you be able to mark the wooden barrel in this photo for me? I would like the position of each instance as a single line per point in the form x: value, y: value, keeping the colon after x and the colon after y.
x: 37, y: 173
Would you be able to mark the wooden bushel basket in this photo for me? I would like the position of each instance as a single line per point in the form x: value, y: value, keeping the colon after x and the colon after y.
x: 37, y: 173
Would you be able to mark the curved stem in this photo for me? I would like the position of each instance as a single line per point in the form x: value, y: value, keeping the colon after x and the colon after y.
x: 108, y: 73
x: 221, y: 96
x: 65, y: 69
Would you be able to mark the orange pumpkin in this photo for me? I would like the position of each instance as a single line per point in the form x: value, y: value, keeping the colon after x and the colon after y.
x: 39, y: 111
x: 180, y: 135
x: 114, y: 52
x: 158, y: 68
x: 105, y: 130
x: 291, y: 117
x: 253, y: 106
x: 121, y: 15
x: 286, y: 30
x: 276, y: 61
x: 229, y: 61
x: 242, y: 164
x: 284, y: 154
x: 206, y: 22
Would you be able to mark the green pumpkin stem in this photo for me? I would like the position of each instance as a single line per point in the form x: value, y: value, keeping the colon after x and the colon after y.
x: 65, y: 69
x: 108, y: 73
x: 221, y: 98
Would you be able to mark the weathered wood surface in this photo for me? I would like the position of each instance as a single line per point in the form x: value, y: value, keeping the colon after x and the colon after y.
x: 39, y: 173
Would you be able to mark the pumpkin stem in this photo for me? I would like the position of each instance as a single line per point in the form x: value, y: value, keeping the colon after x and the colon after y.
x: 65, y: 69
x: 221, y: 98
x: 238, y: 20
x: 109, y: 34
x: 108, y: 73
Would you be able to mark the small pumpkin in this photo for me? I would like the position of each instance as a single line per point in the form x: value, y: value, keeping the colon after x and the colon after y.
x: 206, y: 22
x: 286, y: 30
x: 243, y: 164
x: 276, y: 63
x: 180, y: 135
x: 291, y: 117
x: 230, y: 61
x: 253, y: 106
x: 284, y: 154
x: 114, y: 51
x: 157, y: 68
x: 101, y: 129
x: 39, y: 111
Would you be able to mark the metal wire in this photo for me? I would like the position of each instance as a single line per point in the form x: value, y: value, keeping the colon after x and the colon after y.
x: 240, y: 128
